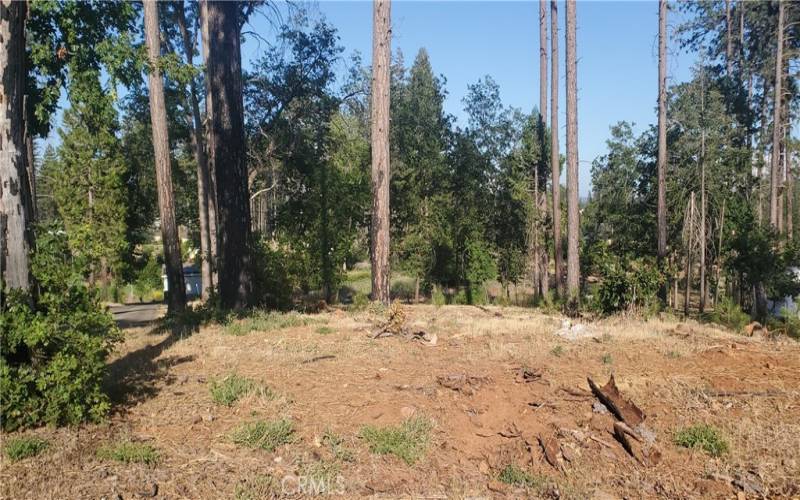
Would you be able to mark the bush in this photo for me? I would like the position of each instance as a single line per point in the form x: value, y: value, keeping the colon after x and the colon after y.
x: 628, y: 286
x: 19, y: 448
x: 54, y: 352
x: 728, y: 313
x: 148, y: 280
x: 273, y: 281
x: 438, y: 297
x: 702, y: 436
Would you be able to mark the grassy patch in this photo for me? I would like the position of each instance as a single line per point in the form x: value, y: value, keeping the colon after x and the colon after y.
x: 557, y: 351
x: 325, y: 330
x: 703, y: 436
x: 231, y: 388
x: 257, y: 487
x: 513, y: 475
x: 19, y: 448
x: 269, y: 321
x: 673, y: 354
x: 129, y: 452
x: 606, y: 359
x: 408, y: 441
x: 337, y: 447
x: 266, y: 435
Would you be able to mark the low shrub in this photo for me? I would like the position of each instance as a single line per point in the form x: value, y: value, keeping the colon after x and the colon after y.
x: 129, y: 452
x: 728, y: 313
x: 266, y: 435
x: 628, y: 286
x: 438, y: 298
x: 19, y: 448
x: 407, y: 441
x: 53, y: 350
x: 702, y: 436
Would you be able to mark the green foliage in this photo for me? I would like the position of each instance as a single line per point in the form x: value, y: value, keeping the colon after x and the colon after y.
x: 606, y: 359
x: 19, y: 448
x: 626, y: 285
x: 728, y: 313
x: 53, y: 354
x: 129, y: 452
x: 515, y: 476
x: 702, y: 436
x: 437, y: 296
x: 148, y: 279
x: 230, y: 389
x: 557, y: 351
x: 273, y: 278
x: 325, y: 330
x: 266, y: 435
x: 407, y: 441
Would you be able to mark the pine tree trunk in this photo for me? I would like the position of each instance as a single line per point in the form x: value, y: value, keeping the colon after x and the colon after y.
x: 661, y: 210
x: 573, y: 215
x: 719, y: 252
x: 381, y: 61
x: 542, y: 207
x: 16, y: 234
x: 227, y: 153
x: 176, y: 297
x: 688, y: 291
x: 555, y: 159
x: 728, y: 39
x: 200, y: 158
x: 211, y: 188
x: 789, y: 189
x: 776, y: 123
x: 702, y: 303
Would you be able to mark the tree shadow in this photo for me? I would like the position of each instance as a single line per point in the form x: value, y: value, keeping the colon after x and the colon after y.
x: 139, y: 375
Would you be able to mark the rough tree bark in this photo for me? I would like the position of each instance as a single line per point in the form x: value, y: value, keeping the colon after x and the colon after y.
x: 702, y: 242
x: 688, y: 291
x: 776, y: 123
x: 555, y: 160
x: 200, y: 158
x: 728, y: 39
x: 176, y: 297
x: 16, y: 235
x: 661, y: 210
x: 541, y: 198
x: 381, y: 60
x: 211, y: 189
x: 227, y: 152
x: 573, y: 215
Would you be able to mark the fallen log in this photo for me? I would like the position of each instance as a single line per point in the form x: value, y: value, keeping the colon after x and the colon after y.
x: 623, y: 409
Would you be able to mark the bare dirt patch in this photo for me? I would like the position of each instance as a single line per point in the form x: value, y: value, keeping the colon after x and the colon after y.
x: 511, y: 410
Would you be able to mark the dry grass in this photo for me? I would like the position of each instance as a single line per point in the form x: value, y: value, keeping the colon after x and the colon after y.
x: 331, y: 381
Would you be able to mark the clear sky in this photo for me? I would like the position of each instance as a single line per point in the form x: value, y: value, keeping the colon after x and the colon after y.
x: 617, y: 55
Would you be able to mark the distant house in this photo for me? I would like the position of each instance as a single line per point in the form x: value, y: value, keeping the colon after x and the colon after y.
x: 192, y: 279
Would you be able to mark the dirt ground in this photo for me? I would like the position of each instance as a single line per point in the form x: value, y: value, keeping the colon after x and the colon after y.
x: 521, y: 381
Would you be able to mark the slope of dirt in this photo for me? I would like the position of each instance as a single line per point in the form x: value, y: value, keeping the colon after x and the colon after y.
x: 496, y: 382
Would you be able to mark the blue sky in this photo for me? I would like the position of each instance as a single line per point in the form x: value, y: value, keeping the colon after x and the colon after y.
x: 617, y: 55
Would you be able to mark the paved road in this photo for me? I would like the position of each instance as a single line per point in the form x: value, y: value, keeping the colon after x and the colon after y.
x: 135, y: 315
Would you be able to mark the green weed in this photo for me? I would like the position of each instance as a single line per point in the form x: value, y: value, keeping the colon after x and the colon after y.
x: 702, y: 436
x: 19, y: 448
x: 408, y: 441
x: 129, y: 452
x: 266, y: 435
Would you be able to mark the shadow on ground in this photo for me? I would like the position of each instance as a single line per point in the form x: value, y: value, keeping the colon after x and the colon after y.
x: 140, y: 375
